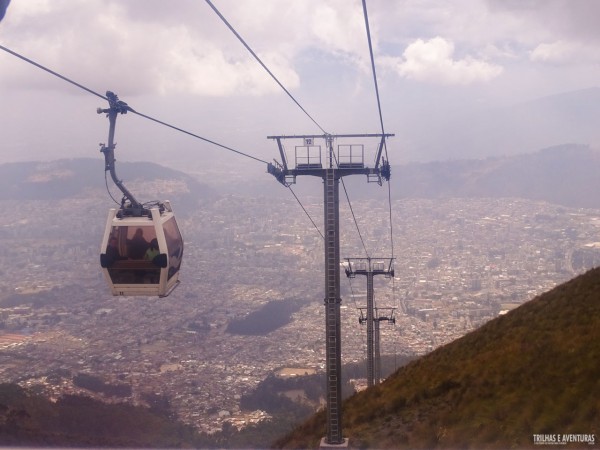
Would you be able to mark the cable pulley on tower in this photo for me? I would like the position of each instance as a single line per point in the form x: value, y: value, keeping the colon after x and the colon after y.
x: 142, y: 247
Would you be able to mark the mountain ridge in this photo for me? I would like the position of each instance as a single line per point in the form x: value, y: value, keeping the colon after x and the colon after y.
x: 564, y: 174
x: 62, y: 178
x: 65, y: 179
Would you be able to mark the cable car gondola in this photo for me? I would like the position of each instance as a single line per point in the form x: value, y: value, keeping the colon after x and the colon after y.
x: 142, y: 247
x: 142, y: 255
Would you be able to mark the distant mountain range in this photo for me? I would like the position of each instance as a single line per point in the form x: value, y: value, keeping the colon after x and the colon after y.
x: 516, y: 129
x: 66, y: 178
x: 565, y: 175
x: 533, y: 371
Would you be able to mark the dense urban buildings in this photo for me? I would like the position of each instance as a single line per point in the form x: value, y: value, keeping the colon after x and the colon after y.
x: 459, y: 263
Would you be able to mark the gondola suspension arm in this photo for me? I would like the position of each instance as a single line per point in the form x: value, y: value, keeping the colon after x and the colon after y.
x: 117, y: 107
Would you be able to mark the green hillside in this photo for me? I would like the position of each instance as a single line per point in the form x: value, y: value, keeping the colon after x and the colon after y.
x: 535, y: 370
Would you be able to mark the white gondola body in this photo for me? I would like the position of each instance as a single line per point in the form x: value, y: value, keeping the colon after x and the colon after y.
x: 129, y: 269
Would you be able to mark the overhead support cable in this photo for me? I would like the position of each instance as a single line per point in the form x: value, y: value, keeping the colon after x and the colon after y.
x: 200, y: 137
x: 351, y: 209
x: 366, y: 15
x: 52, y: 72
x: 354, y: 218
x: 391, y: 221
x: 353, y: 296
x: 306, y: 212
x: 62, y: 77
x: 261, y: 63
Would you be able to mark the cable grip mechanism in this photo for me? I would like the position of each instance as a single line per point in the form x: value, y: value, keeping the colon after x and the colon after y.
x: 115, y: 108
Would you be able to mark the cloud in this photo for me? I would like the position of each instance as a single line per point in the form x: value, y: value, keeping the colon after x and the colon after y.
x: 433, y: 61
x: 557, y: 32
x: 105, y: 45
x: 339, y: 28
x: 556, y: 52
x: 205, y: 70
x: 565, y: 52
x: 179, y: 62
x: 152, y: 47
x: 563, y: 19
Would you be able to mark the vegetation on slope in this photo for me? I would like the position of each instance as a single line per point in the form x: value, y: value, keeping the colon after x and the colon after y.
x: 27, y: 419
x: 533, y: 371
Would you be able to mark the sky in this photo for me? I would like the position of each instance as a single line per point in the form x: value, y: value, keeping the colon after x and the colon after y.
x: 437, y: 62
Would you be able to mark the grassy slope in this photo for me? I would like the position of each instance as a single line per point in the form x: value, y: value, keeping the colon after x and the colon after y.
x: 535, y: 370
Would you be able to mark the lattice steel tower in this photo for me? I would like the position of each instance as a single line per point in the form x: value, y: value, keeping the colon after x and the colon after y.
x: 331, y: 166
x: 370, y: 267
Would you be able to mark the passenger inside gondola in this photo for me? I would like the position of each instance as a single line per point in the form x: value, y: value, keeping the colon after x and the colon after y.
x: 138, y: 245
x: 152, y: 251
x: 112, y: 251
x: 131, y: 258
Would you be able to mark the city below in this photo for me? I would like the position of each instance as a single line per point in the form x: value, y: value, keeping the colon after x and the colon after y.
x: 458, y: 264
